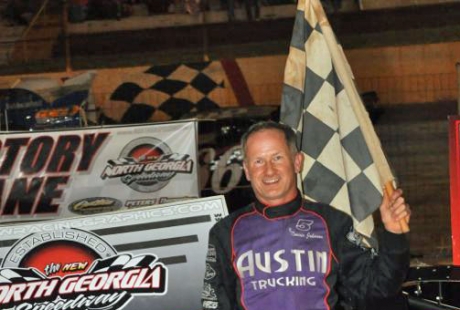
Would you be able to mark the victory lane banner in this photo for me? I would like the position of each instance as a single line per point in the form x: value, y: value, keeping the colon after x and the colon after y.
x: 151, y: 258
x: 44, y: 175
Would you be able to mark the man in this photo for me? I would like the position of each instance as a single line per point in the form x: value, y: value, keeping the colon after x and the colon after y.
x: 283, y: 252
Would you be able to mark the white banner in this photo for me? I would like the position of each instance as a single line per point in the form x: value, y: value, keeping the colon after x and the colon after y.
x: 151, y: 258
x: 44, y: 175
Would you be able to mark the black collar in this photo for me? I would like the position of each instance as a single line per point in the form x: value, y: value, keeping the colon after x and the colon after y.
x: 285, y: 209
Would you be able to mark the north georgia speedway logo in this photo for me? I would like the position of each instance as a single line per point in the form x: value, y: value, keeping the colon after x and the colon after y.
x: 147, y: 165
x: 72, y: 269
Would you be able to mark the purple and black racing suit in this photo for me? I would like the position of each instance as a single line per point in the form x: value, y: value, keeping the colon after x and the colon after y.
x: 300, y: 255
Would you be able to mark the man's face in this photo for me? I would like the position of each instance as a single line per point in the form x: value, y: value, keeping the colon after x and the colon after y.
x: 271, y: 167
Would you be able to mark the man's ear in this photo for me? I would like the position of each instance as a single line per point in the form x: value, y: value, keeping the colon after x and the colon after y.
x: 298, y: 162
x: 246, y: 173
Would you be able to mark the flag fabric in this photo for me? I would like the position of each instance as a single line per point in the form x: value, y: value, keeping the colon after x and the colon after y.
x: 318, y: 103
x: 166, y: 92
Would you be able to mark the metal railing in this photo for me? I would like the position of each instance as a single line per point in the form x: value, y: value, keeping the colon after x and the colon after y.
x: 24, y: 50
x: 23, y: 39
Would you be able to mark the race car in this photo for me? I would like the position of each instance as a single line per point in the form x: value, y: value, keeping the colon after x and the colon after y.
x: 39, y: 103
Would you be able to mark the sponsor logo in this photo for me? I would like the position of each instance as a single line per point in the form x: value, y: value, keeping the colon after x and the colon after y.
x: 147, y: 165
x: 64, y: 245
x: 174, y: 199
x: 212, y: 255
x: 95, y: 205
x: 283, y: 281
x: 75, y: 270
x: 210, y: 272
x: 293, y: 267
x: 308, y: 235
x: 281, y: 261
x: 55, y: 116
x: 302, y: 230
x: 24, y: 105
x: 140, y: 203
x: 208, y: 292
x: 354, y: 237
x: 131, y: 204
x: 304, y: 225
x: 210, y: 304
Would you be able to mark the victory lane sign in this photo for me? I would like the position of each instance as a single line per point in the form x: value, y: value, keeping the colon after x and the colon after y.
x: 86, y: 171
x: 43, y: 166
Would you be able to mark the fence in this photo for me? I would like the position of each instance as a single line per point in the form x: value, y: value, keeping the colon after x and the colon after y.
x: 411, y: 88
x: 418, y: 151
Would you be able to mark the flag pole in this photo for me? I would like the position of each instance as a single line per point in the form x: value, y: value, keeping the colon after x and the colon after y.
x: 345, y: 74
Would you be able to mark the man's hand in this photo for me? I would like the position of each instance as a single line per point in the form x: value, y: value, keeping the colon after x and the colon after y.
x: 394, y: 209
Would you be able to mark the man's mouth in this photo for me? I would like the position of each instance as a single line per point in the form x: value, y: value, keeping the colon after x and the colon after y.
x: 272, y: 180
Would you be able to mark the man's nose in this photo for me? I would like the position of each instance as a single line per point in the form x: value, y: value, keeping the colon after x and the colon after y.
x: 269, y: 169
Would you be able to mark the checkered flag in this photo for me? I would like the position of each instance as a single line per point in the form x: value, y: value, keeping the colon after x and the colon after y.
x: 167, y: 92
x: 344, y: 165
x: 123, y: 262
x: 17, y: 275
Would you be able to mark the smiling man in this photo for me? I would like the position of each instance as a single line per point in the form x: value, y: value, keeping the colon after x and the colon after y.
x: 270, y: 165
x: 284, y: 252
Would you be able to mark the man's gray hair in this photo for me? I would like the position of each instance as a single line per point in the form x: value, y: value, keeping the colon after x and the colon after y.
x: 289, y: 134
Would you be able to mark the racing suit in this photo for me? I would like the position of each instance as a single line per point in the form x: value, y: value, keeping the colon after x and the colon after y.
x: 299, y: 255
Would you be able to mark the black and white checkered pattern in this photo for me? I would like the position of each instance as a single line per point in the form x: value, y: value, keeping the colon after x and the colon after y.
x: 168, y: 92
x: 123, y: 262
x: 17, y: 275
x: 338, y: 167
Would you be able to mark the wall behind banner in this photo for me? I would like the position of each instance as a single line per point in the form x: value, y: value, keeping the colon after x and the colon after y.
x: 402, y: 74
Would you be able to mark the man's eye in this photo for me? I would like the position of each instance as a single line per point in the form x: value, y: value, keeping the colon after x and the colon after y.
x: 278, y: 157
